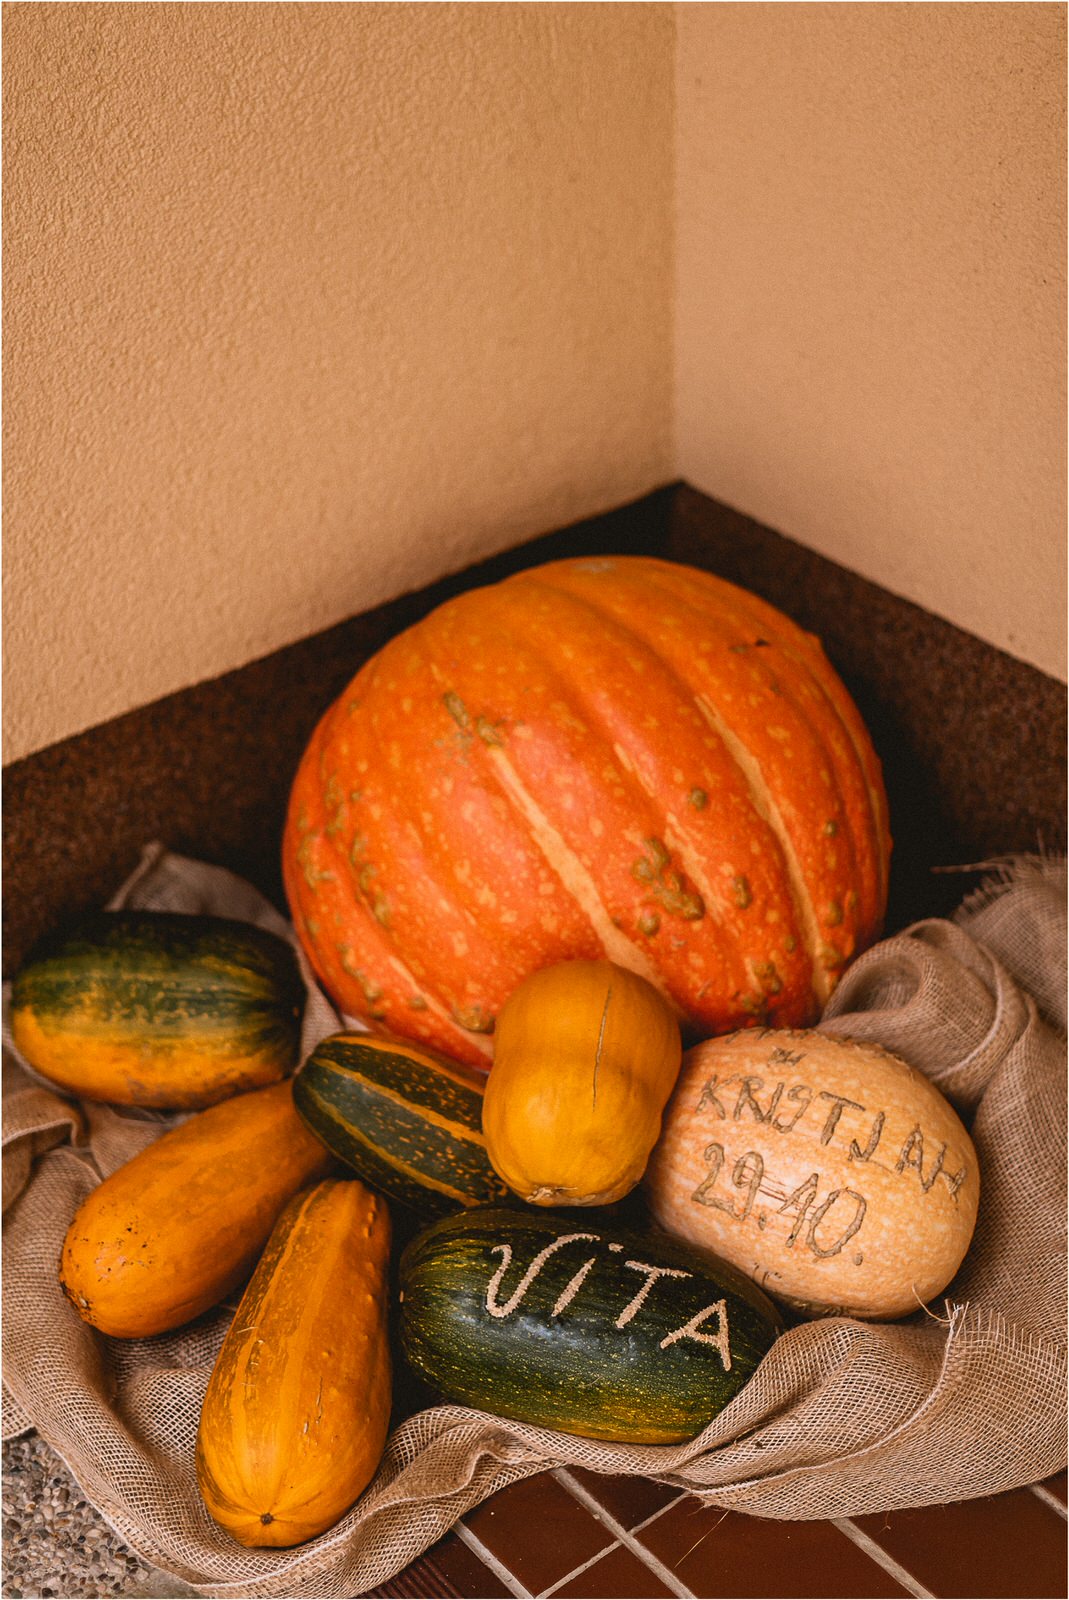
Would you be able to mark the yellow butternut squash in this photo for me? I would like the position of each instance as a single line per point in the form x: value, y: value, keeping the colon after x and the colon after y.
x: 297, y: 1409
x: 585, y: 1056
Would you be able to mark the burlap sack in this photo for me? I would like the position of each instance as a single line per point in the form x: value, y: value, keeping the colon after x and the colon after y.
x: 964, y: 1398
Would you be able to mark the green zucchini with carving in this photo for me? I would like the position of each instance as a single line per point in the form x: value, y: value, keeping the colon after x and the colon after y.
x: 408, y: 1122
x: 563, y: 1321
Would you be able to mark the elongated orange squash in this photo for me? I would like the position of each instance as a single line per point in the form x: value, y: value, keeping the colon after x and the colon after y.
x: 298, y: 1405
x: 618, y: 759
x: 173, y: 1231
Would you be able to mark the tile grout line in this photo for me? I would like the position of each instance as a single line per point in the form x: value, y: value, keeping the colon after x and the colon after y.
x: 625, y: 1538
x: 488, y: 1559
x: 660, y: 1512
x: 880, y: 1556
x: 1049, y: 1499
x: 647, y: 1557
x: 606, y: 1550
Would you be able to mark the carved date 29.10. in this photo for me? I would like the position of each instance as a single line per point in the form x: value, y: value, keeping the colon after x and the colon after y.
x: 822, y: 1226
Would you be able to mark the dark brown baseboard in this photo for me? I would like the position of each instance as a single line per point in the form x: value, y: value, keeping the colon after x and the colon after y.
x: 972, y: 741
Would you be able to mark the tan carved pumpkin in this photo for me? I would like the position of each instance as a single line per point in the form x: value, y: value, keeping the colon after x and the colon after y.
x: 617, y: 758
x: 830, y: 1171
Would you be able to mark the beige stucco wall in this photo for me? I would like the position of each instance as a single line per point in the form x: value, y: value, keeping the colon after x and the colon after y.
x: 307, y: 305
x: 871, y: 288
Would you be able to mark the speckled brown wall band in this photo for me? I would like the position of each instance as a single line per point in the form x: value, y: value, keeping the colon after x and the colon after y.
x: 972, y: 741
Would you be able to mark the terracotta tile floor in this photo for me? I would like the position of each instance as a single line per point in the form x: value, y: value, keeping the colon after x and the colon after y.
x: 571, y: 1533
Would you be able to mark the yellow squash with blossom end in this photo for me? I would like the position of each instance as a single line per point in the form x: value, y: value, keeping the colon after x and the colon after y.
x: 297, y: 1409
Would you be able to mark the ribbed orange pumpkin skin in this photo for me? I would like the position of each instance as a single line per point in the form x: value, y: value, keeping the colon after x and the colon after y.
x: 616, y: 758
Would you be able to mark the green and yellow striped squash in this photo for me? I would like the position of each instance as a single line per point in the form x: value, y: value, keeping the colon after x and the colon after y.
x: 406, y: 1121
x: 153, y: 1008
x: 568, y: 1321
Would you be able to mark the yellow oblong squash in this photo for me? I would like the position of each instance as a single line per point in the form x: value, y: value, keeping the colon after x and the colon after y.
x: 585, y: 1056
x: 297, y: 1409
x: 173, y: 1231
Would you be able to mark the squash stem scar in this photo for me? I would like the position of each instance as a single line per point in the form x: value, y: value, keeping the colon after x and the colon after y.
x: 599, y: 1045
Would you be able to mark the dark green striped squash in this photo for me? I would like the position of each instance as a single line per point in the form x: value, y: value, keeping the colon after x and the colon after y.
x: 154, y: 1008
x: 568, y: 1322
x: 405, y: 1120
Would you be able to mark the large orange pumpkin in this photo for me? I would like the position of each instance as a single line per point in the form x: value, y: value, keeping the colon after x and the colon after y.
x: 616, y: 758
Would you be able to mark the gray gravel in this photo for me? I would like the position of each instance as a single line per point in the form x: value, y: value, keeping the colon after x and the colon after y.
x: 56, y: 1544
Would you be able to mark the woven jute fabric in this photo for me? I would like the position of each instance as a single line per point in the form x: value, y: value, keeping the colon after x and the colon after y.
x: 967, y: 1397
